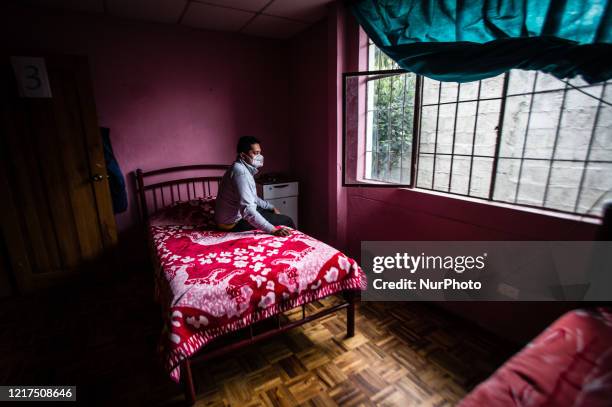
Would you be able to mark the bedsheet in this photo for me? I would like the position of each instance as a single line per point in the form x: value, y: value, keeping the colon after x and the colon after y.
x: 211, y: 283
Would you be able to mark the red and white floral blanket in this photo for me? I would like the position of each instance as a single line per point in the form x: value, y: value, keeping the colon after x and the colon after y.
x: 212, y: 283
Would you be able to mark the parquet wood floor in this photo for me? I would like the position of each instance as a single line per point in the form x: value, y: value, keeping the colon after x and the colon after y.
x: 102, y: 337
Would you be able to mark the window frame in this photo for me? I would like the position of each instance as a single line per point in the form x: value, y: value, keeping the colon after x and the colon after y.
x: 415, y: 128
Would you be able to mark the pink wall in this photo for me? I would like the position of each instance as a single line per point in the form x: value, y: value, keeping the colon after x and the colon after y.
x: 383, y: 214
x: 336, y: 49
x: 317, y: 62
x: 308, y: 124
x: 170, y: 95
x: 425, y: 216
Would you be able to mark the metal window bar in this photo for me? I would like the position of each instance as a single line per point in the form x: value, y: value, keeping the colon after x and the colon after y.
x: 500, y: 130
x: 469, y: 189
x: 484, y: 99
x: 503, y: 157
x: 367, y: 121
x: 376, y: 141
x: 416, y: 131
x: 526, y: 135
x: 523, y: 205
x: 433, y: 172
x: 555, y: 144
x: 401, y: 159
x: 452, y: 159
x: 383, y: 75
x: 389, y: 132
x: 590, y: 147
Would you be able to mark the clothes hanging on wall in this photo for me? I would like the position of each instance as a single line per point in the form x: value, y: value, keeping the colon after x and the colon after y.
x: 472, y: 40
x: 116, y: 180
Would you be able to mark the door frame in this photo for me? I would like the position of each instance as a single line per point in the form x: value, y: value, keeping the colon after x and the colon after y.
x: 11, y: 229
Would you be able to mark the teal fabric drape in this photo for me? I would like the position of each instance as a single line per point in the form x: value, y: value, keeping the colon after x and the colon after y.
x: 469, y: 40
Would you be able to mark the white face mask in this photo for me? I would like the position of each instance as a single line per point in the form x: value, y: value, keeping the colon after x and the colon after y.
x: 257, y: 161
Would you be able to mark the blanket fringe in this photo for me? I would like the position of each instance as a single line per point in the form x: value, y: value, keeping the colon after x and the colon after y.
x: 198, y: 340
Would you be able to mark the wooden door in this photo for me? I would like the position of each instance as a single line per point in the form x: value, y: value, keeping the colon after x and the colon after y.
x: 57, y: 217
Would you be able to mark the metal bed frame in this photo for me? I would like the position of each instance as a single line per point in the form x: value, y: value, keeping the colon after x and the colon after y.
x: 155, y: 196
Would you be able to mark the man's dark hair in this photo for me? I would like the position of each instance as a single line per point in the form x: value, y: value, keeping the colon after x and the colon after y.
x: 245, y: 143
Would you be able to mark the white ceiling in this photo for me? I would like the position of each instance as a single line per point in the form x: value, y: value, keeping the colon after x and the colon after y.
x: 263, y: 18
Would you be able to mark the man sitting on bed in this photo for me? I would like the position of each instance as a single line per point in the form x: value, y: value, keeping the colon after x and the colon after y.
x: 238, y: 208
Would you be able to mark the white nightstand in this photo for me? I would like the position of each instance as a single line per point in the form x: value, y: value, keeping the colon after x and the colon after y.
x: 284, y: 197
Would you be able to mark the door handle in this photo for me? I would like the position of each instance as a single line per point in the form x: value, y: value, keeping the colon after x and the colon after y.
x: 98, y: 177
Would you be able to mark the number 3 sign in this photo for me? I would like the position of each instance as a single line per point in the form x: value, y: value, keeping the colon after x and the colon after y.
x: 31, y: 73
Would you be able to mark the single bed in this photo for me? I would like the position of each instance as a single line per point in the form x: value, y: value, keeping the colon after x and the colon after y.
x: 212, y: 283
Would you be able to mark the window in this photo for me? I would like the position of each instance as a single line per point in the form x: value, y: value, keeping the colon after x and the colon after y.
x: 380, y: 122
x: 389, y: 121
x: 523, y: 138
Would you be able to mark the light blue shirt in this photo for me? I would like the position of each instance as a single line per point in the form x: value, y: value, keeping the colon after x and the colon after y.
x: 237, y: 198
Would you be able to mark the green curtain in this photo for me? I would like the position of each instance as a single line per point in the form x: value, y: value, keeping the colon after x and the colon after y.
x: 468, y: 40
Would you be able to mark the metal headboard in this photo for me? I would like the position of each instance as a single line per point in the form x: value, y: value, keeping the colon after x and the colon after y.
x: 157, y: 195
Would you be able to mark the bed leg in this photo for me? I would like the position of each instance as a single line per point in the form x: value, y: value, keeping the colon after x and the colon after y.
x: 350, y: 313
x: 188, y: 382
